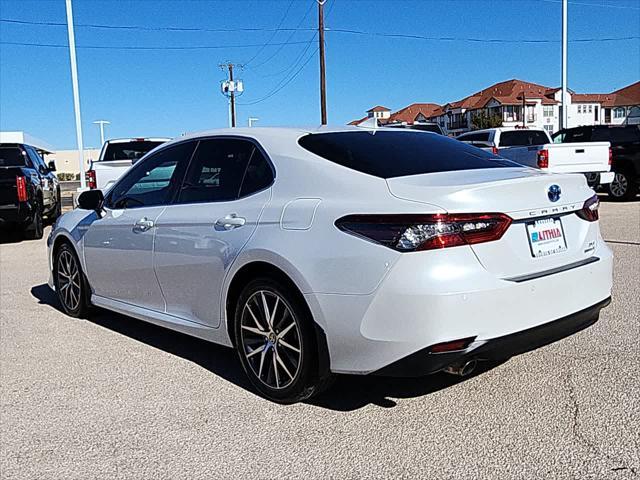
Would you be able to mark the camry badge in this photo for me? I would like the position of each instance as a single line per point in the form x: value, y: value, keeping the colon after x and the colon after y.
x: 554, y: 193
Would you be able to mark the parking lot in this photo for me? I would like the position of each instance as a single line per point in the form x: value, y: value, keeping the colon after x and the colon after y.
x: 117, y: 398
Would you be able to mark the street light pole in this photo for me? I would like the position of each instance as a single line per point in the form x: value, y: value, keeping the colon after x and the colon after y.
x: 565, y: 114
x: 76, y: 92
x: 251, y: 120
x: 102, y: 123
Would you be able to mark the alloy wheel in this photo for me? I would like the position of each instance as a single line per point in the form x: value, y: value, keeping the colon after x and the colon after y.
x: 271, y: 341
x: 68, y: 276
x: 619, y: 185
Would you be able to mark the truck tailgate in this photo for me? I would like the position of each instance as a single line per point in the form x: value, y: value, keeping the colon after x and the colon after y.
x: 578, y: 157
x: 108, y: 171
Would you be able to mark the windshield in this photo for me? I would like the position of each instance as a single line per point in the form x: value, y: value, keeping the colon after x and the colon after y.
x: 133, y: 150
x: 388, y: 154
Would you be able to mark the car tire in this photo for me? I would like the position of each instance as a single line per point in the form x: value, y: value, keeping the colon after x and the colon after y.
x: 623, y: 187
x: 71, y: 284
x: 275, y: 340
x: 57, y: 211
x: 35, y: 230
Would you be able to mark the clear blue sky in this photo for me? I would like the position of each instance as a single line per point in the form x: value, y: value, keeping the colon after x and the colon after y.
x: 166, y: 92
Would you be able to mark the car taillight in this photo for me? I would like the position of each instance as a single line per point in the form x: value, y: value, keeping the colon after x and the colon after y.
x: 610, y: 156
x: 589, y: 211
x: 21, y: 186
x: 543, y: 159
x: 410, y: 233
x: 90, y: 176
x: 495, y: 150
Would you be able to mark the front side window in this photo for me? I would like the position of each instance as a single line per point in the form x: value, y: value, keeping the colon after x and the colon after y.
x: 154, y: 181
x: 217, y: 170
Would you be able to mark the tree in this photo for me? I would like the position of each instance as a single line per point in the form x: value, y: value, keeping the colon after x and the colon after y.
x: 486, y: 120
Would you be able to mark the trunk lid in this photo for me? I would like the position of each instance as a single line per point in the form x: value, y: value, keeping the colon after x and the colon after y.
x: 521, y: 193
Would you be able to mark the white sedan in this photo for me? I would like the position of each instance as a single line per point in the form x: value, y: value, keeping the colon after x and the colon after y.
x: 348, y: 250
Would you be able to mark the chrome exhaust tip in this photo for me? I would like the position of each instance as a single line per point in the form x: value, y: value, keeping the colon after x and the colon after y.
x: 462, y: 369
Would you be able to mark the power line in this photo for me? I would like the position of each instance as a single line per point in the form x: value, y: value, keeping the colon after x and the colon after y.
x: 277, y: 89
x: 297, y: 29
x: 606, y: 5
x: 150, y: 29
x: 275, y: 32
x: 113, y: 47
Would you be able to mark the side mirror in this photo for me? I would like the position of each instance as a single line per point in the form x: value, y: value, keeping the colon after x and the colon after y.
x: 52, y: 166
x: 91, y: 200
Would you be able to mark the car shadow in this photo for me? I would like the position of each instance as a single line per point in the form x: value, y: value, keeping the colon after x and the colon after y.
x: 348, y: 393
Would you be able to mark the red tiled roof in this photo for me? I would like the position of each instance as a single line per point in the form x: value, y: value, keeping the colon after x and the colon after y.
x: 627, y: 96
x: 357, y: 122
x: 379, y: 108
x: 408, y: 114
x: 623, y: 97
x: 506, y: 93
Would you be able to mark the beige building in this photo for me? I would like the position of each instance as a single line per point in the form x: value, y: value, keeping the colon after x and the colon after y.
x: 67, y: 160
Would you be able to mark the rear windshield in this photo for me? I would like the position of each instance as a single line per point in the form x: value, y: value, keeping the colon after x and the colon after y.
x: 129, y: 150
x: 12, y: 157
x: 523, y: 138
x: 388, y: 154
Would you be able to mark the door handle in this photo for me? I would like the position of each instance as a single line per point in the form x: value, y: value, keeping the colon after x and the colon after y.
x: 143, y: 225
x: 230, y: 222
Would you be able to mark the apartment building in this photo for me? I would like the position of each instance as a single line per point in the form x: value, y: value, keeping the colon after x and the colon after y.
x: 517, y: 103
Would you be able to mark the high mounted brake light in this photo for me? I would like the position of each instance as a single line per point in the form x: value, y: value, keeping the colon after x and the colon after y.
x: 589, y: 211
x: 410, y: 233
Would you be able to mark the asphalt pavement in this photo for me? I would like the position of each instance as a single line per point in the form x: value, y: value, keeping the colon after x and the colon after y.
x: 114, y: 397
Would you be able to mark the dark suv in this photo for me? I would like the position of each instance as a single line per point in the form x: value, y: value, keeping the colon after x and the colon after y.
x: 625, y: 153
x: 29, y: 189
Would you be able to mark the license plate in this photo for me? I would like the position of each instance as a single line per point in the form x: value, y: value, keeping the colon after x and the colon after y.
x: 546, y: 237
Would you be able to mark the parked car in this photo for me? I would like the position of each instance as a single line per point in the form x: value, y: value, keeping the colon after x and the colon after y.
x: 625, y: 154
x: 534, y: 148
x: 116, y: 156
x: 313, y: 252
x: 29, y: 190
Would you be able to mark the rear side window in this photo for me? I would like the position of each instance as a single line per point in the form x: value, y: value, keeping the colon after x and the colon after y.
x: 216, y: 171
x: 617, y: 135
x: 133, y: 150
x: 12, y: 157
x: 258, y: 176
x: 522, y: 138
x: 388, y: 154
x: 474, y: 137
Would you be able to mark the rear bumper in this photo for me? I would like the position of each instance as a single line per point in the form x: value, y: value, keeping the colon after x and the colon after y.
x: 434, y: 297
x: 14, y: 215
x: 424, y: 362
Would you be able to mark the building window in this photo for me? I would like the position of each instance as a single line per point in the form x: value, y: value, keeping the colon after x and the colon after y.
x: 618, y: 112
x: 548, y: 128
x: 595, y: 113
x: 547, y: 110
x: 590, y: 108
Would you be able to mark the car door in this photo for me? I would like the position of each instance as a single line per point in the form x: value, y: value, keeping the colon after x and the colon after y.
x: 118, y: 247
x: 214, y: 215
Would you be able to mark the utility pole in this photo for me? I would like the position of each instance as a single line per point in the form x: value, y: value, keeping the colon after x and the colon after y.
x: 323, y: 80
x: 565, y: 113
x: 76, y: 92
x: 231, y: 88
x: 102, y: 123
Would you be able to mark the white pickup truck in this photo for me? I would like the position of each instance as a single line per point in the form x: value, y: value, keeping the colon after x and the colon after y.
x: 534, y: 148
x: 116, y: 156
